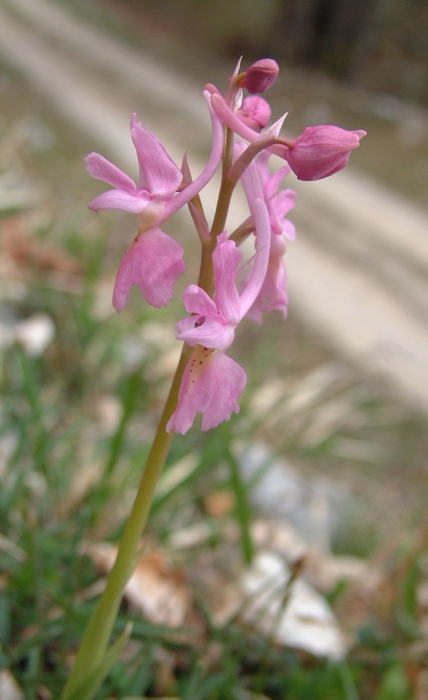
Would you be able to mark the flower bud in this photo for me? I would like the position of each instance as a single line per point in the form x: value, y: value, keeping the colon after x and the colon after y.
x: 260, y: 76
x: 254, y: 112
x: 321, y: 151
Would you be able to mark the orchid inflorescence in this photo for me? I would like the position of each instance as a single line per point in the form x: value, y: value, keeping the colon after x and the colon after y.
x: 212, y: 382
x: 207, y: 380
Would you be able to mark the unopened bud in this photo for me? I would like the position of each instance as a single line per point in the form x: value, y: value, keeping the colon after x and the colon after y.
x: 260, y: 76
x: 321, y: 151
x: 254, y: 112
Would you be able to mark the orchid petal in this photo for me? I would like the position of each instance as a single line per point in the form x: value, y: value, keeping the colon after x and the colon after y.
x: 197, y: 301
x: 122, y: 200
x: 200, y: 330
x: 153, y: 263
x: 289, y: 230
x: 263, y: 168
x: 229, y: 117
x: 101, y: 168
x: 274, y: 181
x: 284, y: 227
x: 260, y: 215
x: 273, y: 294
x: 279, y: 202
x: 226, y: 258
x: 255, y: 312
x: 279, y: 206
x: 284, y: 201
x: 211, y: 385
x: 157, y: 169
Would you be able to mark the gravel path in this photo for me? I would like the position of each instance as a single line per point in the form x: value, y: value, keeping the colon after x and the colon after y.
x: 359, y: 269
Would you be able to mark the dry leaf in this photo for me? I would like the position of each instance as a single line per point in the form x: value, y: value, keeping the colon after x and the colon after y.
x: 155, y: 589
x: 291, y: 613
x: 158, y: 591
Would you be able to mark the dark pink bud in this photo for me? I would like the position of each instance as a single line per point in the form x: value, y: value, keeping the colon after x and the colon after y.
x: 321, y: 151
x: 260, y: 76
x: 254, y: 112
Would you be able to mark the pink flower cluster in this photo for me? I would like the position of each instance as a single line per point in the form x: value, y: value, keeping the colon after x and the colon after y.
x: 212, y: 382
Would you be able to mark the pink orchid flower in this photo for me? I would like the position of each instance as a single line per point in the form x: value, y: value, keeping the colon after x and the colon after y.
x: 273, y: 293
x: 279, y: 202
x: 212, y: 381
x: 154, y: 260
x: 213, y: 322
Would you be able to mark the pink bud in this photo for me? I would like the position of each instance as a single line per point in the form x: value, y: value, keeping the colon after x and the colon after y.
x: 254, y: 112
x: 321, y: 151
x: 260, y: 76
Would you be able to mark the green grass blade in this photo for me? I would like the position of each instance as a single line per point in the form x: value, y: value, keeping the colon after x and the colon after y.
x: 91, y: 685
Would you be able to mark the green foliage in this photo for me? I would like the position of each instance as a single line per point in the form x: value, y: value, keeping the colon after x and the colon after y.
x: 394, y: 685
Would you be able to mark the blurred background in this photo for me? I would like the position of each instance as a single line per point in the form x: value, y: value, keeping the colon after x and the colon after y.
x: 331, y: 444
x: 379, y: 46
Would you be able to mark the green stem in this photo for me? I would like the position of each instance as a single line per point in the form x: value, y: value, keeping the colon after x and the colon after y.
x: 97, y: 635
x: 206, y: 272
x: 226, y: 189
